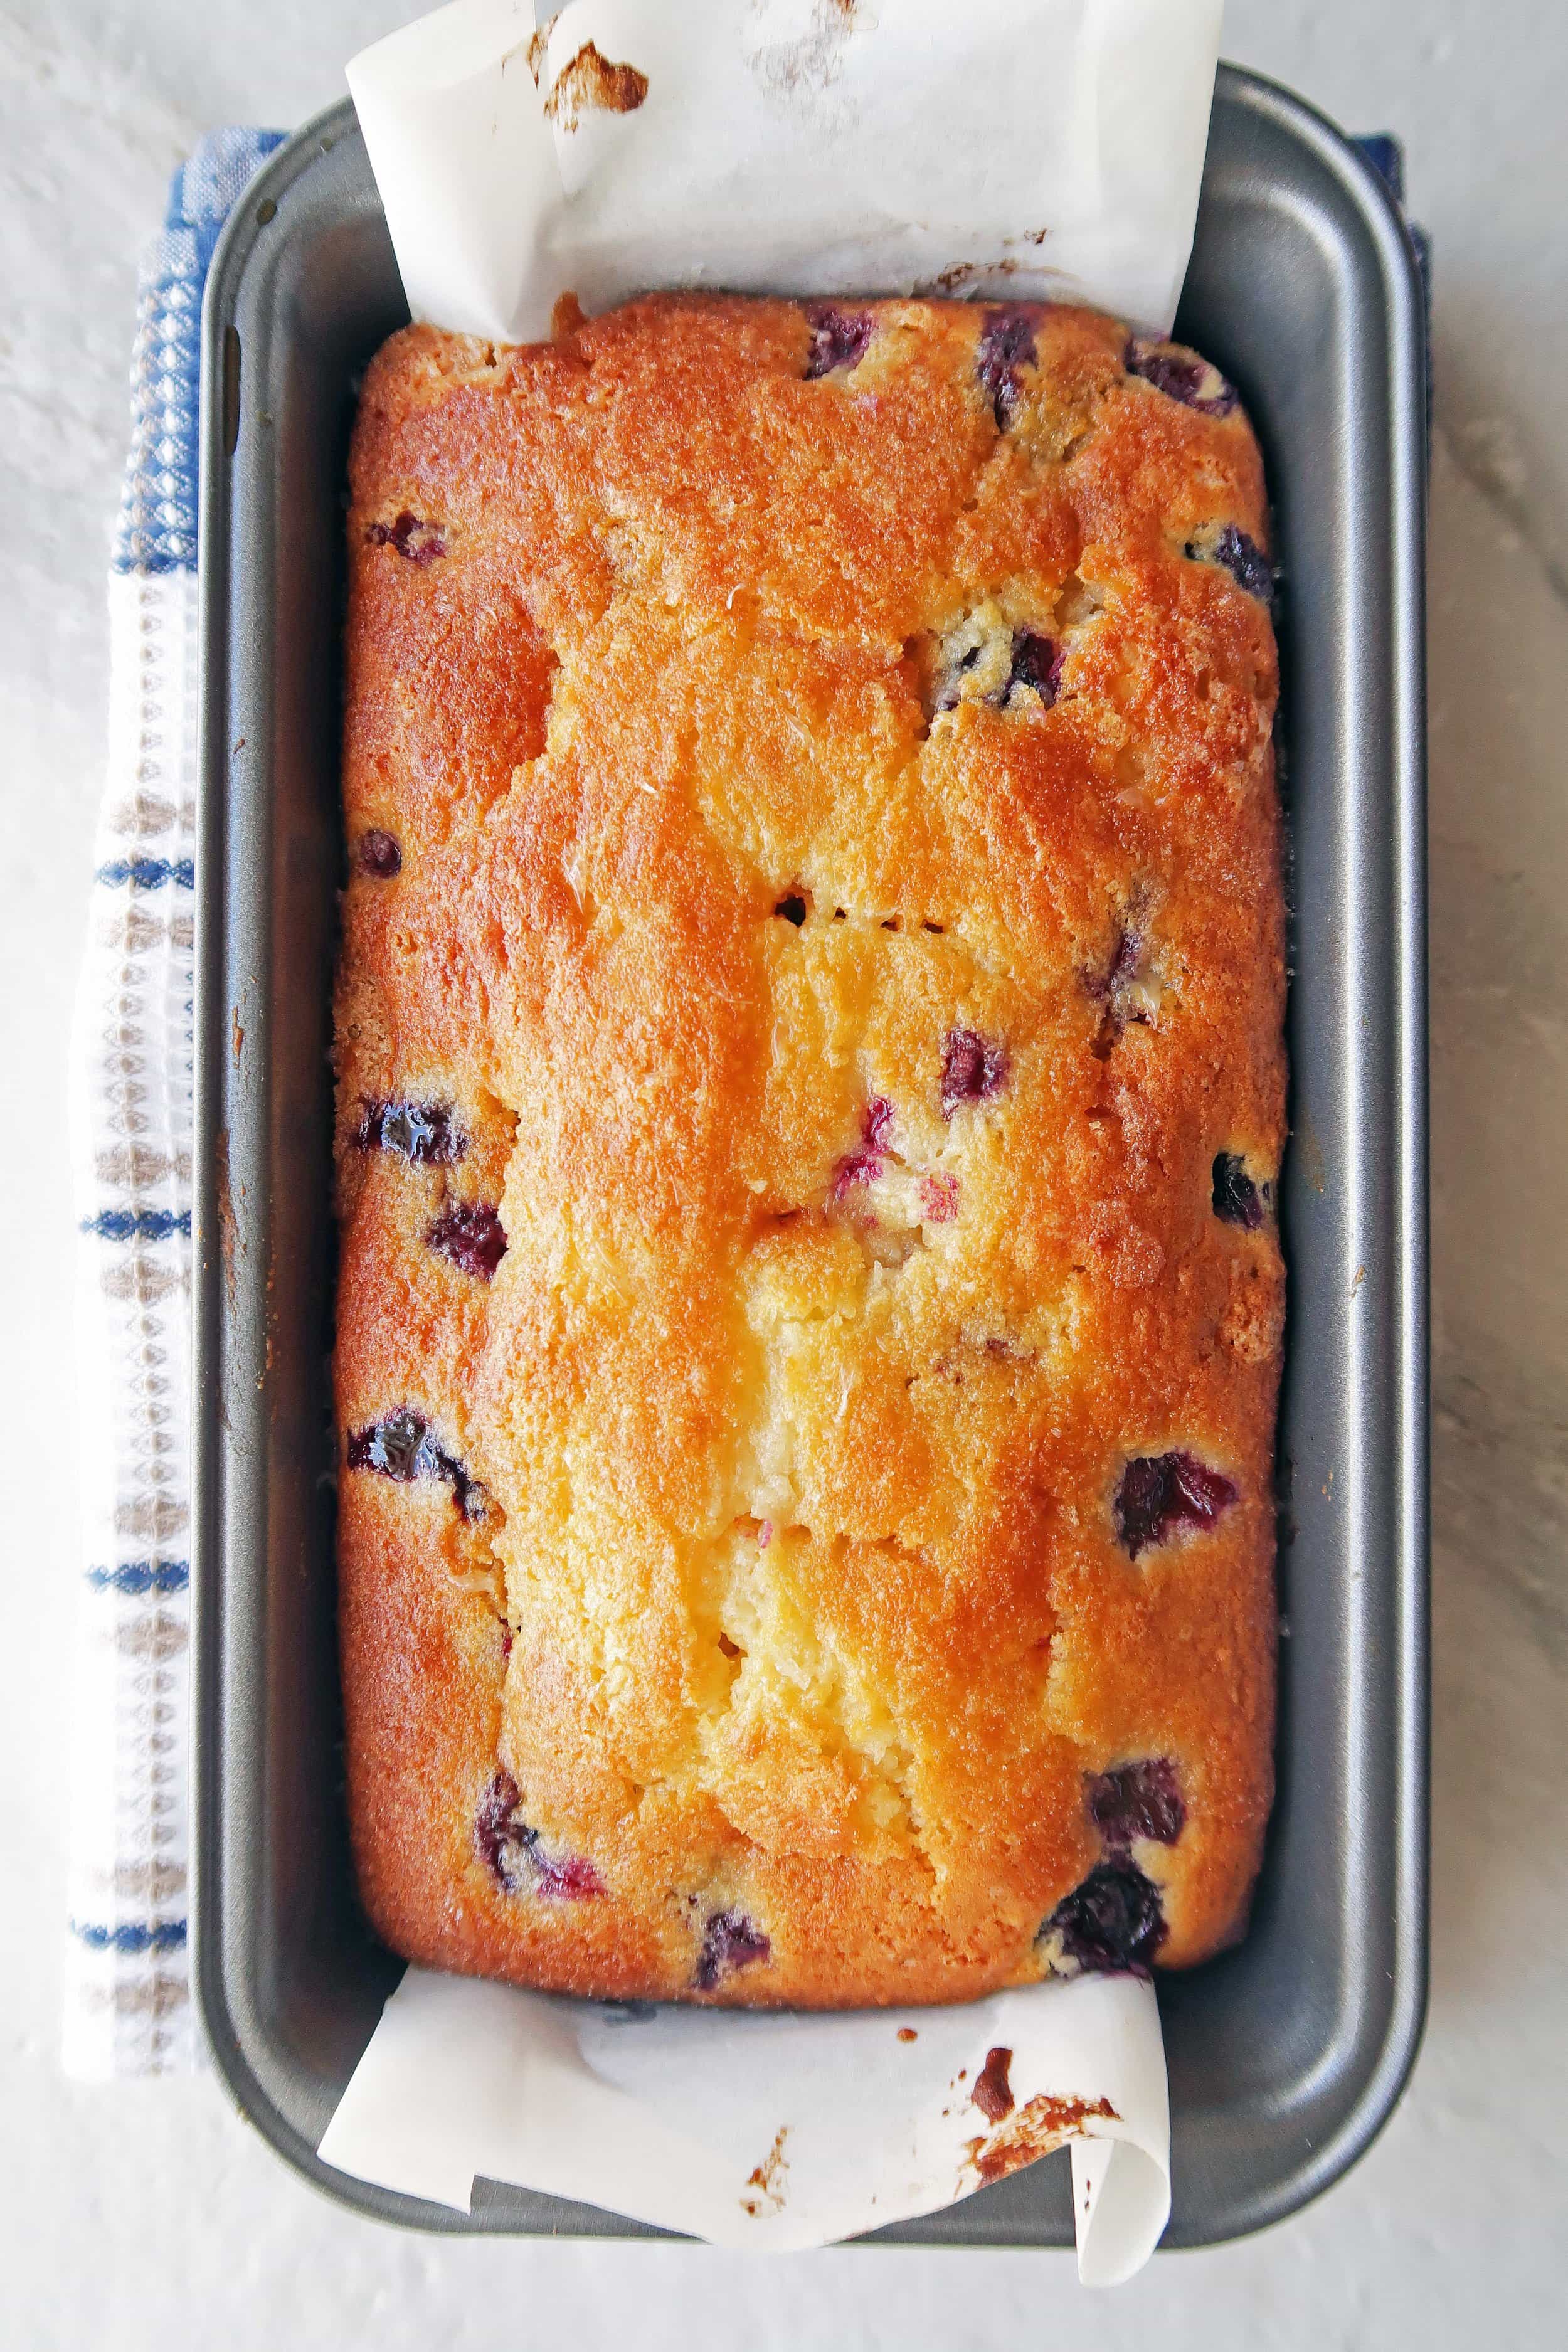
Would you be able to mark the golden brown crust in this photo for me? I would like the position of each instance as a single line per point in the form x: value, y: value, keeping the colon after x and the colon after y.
x: 834, y: 907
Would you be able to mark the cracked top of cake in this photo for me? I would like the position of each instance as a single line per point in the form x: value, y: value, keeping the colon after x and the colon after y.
x: 810, y: 1102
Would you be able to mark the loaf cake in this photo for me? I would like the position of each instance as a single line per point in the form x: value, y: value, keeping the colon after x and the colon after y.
x: 810, y: 1096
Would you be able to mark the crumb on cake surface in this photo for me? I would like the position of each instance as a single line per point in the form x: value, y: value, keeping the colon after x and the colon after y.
x: 810, y: 1095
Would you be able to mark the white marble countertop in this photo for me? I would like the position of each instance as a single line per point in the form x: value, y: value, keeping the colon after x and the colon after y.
x: 146, y: 2215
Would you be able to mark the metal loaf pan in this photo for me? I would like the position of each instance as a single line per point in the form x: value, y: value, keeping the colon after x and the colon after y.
x: 1286, y: 2054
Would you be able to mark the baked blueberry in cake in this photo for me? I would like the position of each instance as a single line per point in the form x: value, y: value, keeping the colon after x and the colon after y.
x: 810, y: 1103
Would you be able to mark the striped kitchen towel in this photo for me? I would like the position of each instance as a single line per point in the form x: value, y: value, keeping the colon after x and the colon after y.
x: 127, y: 1987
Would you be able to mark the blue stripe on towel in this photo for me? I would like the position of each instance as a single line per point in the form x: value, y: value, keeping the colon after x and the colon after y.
x: 149, y: 873
x: 139, y: 1224
x: 157, y: 529
x: 132, y: 1936
x: 138, y: 1576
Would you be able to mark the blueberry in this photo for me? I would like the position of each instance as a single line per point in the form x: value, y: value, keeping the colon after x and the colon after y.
x: 493, y: 1831
x: 1112, y: 988
x: 425, y: 1133
x: 1007, y: 344
x: 1245, y: 561
x: 730, y: 1941
x: 880, y: 1123
x: 379, y: 855
x: 394, y: 1446
x: 569, y: 1878
x: 1161, y: 1494
x: 473, y: 1238
x: 1137, y: 1801
x: 420, y: 542
x: 948, y: 696
x: 1238, y: 1201
x: 939, y: 1198
x: 866, y: 1163
x: 973, y: 1068
x: 1180, y: 376
x: 1125, y: 961
x: 858, y: 1167
x: 404, y: 1446
x: 838, y: 339
x: 1036, y: 663
x: 511, y: 1853
x: 1111, y: 1922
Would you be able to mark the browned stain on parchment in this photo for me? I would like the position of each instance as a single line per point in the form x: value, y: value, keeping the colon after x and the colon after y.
x: 805, y: 66
x: 992, y: 2092
x: 590, y: 79
x: 960, y: 276
x: 768, y: 2179
x: 1037, y: 2128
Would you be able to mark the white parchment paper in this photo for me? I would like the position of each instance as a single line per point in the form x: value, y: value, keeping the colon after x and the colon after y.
x: 1031, y: 148
x: 755, y: 2129
x: 1018, y: 149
